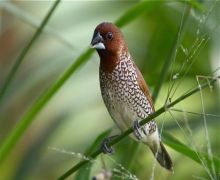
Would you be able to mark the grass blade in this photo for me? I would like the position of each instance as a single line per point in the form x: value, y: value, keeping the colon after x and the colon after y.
x: 26, y: 49
x: 28, y: 18
x: 134, y: 12
x: 172, y: 55
x: 192, y: 154
x: 38, y: 105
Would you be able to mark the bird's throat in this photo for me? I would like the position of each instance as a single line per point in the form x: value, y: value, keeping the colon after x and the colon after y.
x: 108, y: 62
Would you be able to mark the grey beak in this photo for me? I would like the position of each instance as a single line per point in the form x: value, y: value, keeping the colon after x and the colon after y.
x: 97, y: 41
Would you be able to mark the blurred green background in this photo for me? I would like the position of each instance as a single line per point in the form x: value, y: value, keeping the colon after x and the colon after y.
x: 76, y: 115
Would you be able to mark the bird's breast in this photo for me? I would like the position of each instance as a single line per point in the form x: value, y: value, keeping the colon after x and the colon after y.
x: 122, y: 95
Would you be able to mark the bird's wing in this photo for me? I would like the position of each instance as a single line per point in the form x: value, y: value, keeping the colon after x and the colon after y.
x: 143, y: 86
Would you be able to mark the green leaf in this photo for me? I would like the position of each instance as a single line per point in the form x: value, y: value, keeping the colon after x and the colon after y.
x: 134, y: 12
x: 192, y: 154
x: 84, y: 172
x: 145, y: 6
x: 172, y: 55
x: 26, y: 50
x: 25, y: 121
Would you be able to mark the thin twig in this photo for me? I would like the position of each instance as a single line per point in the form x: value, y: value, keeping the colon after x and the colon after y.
x: 144, y: 121
x: 195, y: 113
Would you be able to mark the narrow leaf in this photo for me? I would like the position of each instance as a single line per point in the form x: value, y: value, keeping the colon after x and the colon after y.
x: 187, y: 151
x: 24, y: 122
x: 26, y: 50
x: 134, y: 12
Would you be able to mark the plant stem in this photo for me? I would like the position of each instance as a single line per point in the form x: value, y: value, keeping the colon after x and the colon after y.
x: 172, y: 55
x: 144, y: 121
x: 26, y: 49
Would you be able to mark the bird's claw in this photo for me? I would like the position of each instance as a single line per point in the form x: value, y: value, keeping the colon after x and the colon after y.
x: 105, y: 148
x: 137, y: 130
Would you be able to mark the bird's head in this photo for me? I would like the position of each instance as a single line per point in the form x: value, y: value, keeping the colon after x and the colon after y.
x: 108, y: 39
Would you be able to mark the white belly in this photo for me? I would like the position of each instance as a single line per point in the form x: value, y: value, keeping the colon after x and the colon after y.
x: 123, y: 116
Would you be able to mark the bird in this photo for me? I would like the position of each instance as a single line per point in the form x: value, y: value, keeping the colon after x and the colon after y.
x: 125, y: 92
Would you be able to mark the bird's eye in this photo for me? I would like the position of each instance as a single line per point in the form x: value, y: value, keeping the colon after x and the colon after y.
x: 109, y: 36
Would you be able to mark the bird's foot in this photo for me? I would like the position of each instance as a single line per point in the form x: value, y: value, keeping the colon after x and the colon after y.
x: 138, y: 130
x: 106, y: 149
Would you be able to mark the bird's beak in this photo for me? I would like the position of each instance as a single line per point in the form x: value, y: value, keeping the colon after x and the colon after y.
x: 97, y: 41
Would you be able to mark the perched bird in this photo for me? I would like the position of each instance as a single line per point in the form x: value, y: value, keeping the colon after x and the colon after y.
x: 124, y: 90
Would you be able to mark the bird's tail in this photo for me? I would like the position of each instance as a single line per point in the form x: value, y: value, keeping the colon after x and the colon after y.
x: 162, y: 156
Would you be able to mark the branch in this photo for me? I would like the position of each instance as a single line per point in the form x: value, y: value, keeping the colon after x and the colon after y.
x: 144, y: 121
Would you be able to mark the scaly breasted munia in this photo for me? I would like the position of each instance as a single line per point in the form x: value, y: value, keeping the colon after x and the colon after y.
x: 124, y: 90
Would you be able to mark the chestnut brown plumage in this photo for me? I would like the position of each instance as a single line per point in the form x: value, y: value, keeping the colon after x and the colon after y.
x: 124, y: 90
